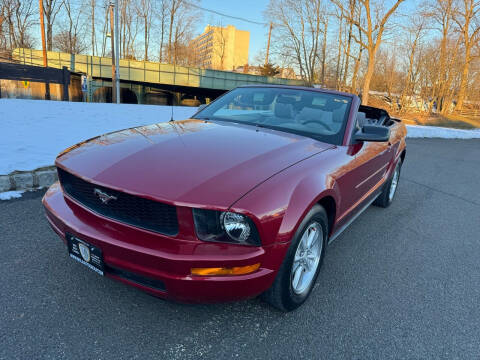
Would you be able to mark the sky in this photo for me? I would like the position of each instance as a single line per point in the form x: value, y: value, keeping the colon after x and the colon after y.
x: 249, y: 9
x: 254, y: 9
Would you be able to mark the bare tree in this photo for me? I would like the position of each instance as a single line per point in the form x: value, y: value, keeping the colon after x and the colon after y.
x: 50, y: 10
x: 376, y: 20
x: 19, y: 18
x: 415, y: 31
x: 358, y: 58
x: 173, y: 9
x: 70, y: 40
x: 129, y: 28
x: 161, y: 12
x: 144, y: 11
x: 3, y: 38
x: 185, y: 21
x: 442, y: 13
x: 468, y: 22
x: 324, y: 51
x: 298, y: 32
x: 67, y: 42
x: 105, y: 28
x: 94, y: 48
x: 352, y: 4
x: 339, y: 50
x: 220, y: 47
x: 387, y: 76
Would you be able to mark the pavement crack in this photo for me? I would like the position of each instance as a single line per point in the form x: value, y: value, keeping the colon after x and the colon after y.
x: 442, y: 192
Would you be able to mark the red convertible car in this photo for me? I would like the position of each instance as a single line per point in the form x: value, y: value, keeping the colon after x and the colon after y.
x: 241, y: 199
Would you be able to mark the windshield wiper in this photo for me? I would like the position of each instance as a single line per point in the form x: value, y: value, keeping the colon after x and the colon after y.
x: 202, y: 118
x: 262, y: 126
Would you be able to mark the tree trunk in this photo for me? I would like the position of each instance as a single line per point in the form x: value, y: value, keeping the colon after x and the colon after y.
x: 160, y: 53
x: 172, y: 18
x: 12, y: 34
x: 49, y: 37
x: 124, y: 39
x: 1, y: 29
x: 160, y: 57
x: 340, y: 44
x: 408, y: 80
x: 105, y: 31
x: 358, y: 60
x: 146, y: 39
x: 347, y: 56
x: 349, y: 42
x: 324, y: 51
x: 463, y: 82
x: 368, y: 76
x: 93, y: 26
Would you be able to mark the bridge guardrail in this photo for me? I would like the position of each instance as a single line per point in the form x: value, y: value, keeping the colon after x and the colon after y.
x: 147, y: 72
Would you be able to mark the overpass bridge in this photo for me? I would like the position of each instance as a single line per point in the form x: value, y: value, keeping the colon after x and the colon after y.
x: 150, y: 82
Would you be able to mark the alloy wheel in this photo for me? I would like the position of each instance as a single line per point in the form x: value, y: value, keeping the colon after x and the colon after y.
x: 307, y: 258
x: 393, y: 185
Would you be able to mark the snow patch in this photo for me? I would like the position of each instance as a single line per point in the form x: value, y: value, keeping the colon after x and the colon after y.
x: 34, y: 132
x: 8, y: 195
x: 417, y: 131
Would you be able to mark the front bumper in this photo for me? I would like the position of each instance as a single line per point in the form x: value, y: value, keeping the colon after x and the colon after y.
x: 161, y: 265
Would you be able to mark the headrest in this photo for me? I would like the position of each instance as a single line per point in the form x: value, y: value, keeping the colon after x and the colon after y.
x: 314, y: 114
x: 285, y: 99
x: 284, y: 111
x: 361, y: 119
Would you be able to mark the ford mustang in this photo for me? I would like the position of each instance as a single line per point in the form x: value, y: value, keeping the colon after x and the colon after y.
x: 241, y: 199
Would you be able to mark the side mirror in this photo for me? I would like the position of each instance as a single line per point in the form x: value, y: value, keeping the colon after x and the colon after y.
x: 372, y: 133
x: 201, y: 107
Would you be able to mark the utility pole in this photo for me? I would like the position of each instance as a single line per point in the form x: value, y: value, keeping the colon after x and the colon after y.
x: 114, y: 72
x: 117, y: 54
x: 45, y: 62
x: 268, y: 43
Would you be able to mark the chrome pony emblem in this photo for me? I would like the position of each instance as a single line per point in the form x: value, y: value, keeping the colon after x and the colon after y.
x: 104, y: 197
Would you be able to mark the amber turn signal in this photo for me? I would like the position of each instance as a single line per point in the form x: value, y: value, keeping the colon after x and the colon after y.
x: 237, y: 270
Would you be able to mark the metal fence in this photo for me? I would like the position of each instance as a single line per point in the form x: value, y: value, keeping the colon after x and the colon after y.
x: 22, y: 72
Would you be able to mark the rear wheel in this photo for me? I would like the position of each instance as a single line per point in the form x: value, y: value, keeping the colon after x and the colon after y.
x: 390, y: 188
x: 300, y: 268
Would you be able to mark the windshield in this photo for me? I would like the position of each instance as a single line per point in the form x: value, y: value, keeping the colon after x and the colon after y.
x: 320, y: 115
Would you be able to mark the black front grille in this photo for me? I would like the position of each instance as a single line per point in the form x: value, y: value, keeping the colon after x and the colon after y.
x: 126, y: 208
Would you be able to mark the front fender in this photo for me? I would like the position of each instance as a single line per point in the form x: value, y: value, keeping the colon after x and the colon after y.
x: 279, y: 204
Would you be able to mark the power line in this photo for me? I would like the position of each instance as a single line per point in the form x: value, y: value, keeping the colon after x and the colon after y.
x: 225, y: 15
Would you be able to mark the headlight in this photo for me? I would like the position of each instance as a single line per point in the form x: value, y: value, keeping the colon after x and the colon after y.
x: 231, y: 227
x: 236, y: 226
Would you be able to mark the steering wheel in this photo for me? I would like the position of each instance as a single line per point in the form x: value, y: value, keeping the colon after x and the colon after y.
x: 316, y: 122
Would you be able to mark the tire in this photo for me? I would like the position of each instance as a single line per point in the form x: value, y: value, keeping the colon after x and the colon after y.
x: 298, y: 273
x: 390, y: 188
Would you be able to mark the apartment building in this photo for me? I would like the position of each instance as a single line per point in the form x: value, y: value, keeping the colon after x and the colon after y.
x: 221, y: 48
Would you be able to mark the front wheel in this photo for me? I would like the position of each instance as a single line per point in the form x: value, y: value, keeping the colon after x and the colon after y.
x: 388, y: 193
x: 300, y: 268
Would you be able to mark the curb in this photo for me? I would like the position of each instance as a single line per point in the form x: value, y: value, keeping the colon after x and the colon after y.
x: 28, y: 180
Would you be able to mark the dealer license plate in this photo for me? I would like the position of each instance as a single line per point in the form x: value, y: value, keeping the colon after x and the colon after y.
x: 85, y: 253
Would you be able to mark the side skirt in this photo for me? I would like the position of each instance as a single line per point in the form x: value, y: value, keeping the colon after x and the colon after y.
x: 347, y: 224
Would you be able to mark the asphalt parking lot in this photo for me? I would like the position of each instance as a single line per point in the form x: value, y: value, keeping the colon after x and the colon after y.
x: 402, y: 282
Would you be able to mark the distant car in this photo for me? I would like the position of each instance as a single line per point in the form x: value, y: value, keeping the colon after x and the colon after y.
x: 240, y: 200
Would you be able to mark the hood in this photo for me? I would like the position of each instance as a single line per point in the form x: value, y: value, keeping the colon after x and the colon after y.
x: 189, y: 162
